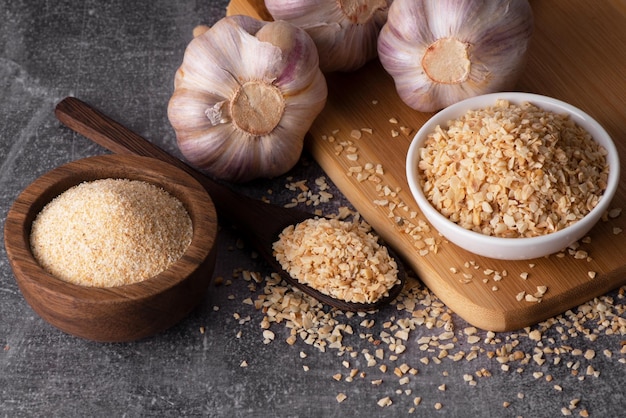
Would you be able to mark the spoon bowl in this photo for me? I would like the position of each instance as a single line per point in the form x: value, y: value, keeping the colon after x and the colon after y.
x: 261, y: 222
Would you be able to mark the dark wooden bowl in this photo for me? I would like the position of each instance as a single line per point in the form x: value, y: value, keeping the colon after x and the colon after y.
x: 122, y: 313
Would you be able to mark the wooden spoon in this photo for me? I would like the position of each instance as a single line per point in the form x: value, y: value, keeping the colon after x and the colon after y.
x: 260, y: 221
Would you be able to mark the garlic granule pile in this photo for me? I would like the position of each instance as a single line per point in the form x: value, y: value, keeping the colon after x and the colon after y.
x: 340, y: 259
x: 513, y: 171
x: 110, y: 232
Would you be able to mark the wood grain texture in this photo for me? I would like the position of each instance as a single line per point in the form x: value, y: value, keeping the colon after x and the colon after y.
x: 577, y: 55
x: 122, y: 313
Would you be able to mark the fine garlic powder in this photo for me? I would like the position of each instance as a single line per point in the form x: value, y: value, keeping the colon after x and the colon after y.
x: 110, y: 232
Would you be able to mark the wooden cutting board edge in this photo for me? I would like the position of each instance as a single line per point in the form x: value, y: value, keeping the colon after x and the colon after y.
x: 478, y: 310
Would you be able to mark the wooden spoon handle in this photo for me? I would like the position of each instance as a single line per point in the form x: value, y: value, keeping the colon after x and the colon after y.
x: 91, y: 123
x: 84, y: 119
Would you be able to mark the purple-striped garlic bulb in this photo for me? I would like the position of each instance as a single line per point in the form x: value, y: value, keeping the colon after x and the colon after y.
x: 244, y: 97
x: 442, y: 51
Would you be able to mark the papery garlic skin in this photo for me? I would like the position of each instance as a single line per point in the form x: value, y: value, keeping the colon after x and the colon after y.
x: 245, y: 96
x: 442, y: 51
x: 344, y: 31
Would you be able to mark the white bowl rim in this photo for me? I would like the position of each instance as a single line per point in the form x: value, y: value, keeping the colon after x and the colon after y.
x: 549, y: 103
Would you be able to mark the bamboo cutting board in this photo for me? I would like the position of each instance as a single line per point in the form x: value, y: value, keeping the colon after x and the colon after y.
x: 578, y: 55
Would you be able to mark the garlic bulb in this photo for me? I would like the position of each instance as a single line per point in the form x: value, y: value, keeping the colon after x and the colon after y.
x: 442, y: 51
x: 345, y: 31
x: 244, y: 97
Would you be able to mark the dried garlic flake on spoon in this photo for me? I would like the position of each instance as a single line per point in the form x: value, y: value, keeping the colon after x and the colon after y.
x: 340, y: 259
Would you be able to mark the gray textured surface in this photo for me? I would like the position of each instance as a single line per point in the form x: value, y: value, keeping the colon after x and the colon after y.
x: 121, y: 56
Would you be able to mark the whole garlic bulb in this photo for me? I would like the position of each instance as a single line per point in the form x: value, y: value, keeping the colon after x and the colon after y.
x: 345, y: 31
x: 244, y: 97
x: 442, y: 51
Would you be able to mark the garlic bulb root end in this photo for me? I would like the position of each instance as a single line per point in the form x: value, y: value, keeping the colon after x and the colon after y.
x: 257, y: 108
x: 439, y: 52
x: 447, y: 61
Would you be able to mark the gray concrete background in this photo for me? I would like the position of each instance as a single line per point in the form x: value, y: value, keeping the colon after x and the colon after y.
x: 121, y: 57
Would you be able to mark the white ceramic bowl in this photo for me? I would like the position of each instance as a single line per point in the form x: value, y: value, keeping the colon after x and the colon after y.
x: 512, y: 248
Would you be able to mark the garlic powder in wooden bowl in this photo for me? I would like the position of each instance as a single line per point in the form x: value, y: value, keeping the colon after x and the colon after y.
x: 340, y: 259
x: 110, y: 232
